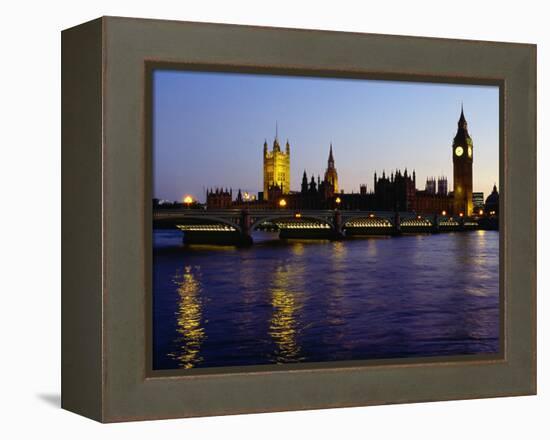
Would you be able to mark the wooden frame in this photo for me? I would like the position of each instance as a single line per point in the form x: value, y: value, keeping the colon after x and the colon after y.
x: 106, y: 234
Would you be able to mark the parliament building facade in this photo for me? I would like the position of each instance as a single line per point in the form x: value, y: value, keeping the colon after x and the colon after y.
x: 396, y: 191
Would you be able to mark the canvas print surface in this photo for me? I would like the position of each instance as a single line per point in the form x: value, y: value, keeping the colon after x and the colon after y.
x: 299, y: 219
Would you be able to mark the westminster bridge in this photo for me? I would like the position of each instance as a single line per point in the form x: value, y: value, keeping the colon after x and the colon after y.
x: 236, y: 225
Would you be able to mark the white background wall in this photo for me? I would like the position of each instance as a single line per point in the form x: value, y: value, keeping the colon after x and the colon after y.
x: 30, y: 245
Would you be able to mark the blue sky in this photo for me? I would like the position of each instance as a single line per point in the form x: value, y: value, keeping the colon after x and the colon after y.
x: 209, y: 129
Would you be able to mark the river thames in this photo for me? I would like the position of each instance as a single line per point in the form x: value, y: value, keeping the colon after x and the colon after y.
x: 319, y: 300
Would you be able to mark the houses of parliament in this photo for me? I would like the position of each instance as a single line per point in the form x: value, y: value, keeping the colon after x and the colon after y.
x: 396, y: 191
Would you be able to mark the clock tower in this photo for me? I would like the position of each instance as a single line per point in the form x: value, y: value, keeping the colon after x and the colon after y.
x: 463, y: 158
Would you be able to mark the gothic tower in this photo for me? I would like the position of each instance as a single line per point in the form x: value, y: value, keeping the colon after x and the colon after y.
x: 331, y: 175
x: 304, y: 183
x: 276, y: 167
x: 463, y: 157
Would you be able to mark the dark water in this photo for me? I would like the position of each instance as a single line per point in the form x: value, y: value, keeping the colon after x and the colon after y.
x: 311, y: 301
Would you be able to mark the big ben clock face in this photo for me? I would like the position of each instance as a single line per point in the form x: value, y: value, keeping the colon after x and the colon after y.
x: 459, y: 151
x: 470, y: 152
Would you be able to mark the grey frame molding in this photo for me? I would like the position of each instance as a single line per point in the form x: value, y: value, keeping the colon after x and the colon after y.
x: 106, y: 221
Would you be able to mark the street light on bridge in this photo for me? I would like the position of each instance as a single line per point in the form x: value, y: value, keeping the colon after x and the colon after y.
x: 282, y: 203
x: 187, y: 200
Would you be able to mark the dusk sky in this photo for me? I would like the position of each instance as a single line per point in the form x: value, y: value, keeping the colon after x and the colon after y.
x: 209, y: 129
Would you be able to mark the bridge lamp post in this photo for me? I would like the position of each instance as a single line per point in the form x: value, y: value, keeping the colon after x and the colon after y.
x: 282, y: 203
x: 461, y: 214
x: 187, y: 200
x: 443, y: 213
x: 338, y: 200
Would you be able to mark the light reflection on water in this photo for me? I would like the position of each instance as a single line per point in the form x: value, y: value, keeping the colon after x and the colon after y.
x: 283, y: 327
x: 190, y: 330
x: 420, y: 295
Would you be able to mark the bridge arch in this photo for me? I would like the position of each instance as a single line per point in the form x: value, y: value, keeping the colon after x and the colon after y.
x: 258, y: 221
x: 416, y: 221
x: 367, y: 220
x: 182, y: 220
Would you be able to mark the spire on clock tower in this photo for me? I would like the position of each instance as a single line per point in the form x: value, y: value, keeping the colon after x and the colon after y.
x: 462, y: 123
x: 462, y: 137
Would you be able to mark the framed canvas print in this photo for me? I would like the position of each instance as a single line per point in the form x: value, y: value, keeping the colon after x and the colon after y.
x: 262, y: 219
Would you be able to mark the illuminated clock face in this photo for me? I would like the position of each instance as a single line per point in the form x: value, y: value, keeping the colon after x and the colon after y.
x: 470, y: 152
x: 459, y: 151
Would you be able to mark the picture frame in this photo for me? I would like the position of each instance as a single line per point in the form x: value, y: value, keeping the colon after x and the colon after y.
x: 106, y: 218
